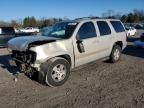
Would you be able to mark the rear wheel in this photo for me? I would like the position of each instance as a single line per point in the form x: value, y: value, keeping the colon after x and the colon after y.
x: 115, y: 54
x: 55, y: 72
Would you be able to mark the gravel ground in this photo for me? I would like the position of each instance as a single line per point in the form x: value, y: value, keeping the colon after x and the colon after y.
x: 95, y: 85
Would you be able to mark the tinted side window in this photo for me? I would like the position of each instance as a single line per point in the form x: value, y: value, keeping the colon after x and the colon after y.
x: 103, y: 28
x: 87, y: 30
x: 117, y: 26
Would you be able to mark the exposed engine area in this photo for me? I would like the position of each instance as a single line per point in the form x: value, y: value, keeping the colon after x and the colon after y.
x: 24, y: 60
x: 26, y: 57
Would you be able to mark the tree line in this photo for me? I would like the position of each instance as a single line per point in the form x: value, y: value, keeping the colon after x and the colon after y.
x: 136, y: 16
x: 31, y: 22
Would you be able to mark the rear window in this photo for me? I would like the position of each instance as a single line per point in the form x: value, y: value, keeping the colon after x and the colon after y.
x: 117, y: 25
x: 7, y: 30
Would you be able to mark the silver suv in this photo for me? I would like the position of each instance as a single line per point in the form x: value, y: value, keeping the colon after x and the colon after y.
x: 68, y: 45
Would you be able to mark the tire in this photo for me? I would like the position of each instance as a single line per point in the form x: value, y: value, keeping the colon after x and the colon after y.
x: 54, y: 72
x: 115, y: 54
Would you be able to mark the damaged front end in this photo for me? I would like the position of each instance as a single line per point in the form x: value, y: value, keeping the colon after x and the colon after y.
x: 25, y: 61
x: 21, y: 53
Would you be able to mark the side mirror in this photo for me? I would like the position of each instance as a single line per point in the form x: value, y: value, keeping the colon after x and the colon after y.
x: 80, y: 45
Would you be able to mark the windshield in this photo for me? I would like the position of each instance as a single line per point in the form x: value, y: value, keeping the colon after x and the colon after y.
x: 46, y: 30
x: 62, y: 30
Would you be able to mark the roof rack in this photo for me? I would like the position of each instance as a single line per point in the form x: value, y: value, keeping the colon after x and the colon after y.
x: 87, y: 18
x: 94, y: 18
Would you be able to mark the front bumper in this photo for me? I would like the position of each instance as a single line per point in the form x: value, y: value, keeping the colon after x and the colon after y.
x: 24, y: 67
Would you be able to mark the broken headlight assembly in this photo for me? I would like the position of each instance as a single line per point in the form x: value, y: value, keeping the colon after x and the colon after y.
x: 26, y: 57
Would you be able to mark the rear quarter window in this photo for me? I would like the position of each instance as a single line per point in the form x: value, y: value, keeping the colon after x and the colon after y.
x: 117, y: 25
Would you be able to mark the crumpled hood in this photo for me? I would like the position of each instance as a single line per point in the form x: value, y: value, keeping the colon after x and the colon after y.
x: 22, y: 43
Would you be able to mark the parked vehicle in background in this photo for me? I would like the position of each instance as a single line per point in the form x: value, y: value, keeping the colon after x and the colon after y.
x: 131, y: 31
x: 69, y: 45
x: 141, y: 41
x: 139, y: 26
x: 30, y: 30
x: 16, y: 30
x: 142, y: 37
x: 6, y: 33
x: 129, y: 25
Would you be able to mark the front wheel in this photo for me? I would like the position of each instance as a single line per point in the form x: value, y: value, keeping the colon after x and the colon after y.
x: 56, y: 71
x: 115, y: 54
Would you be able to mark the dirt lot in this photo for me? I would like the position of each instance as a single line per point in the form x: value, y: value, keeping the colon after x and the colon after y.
x: 97, y: 85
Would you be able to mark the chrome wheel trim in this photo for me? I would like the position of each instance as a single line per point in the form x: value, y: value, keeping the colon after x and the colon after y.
x: 116, y: 54
x: 58, y: 72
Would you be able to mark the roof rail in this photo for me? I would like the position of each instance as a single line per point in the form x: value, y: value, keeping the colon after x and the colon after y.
x: 87, y: 18
x: 94, y: 18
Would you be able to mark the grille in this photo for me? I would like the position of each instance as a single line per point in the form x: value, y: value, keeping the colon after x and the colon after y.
x: 28, y: 57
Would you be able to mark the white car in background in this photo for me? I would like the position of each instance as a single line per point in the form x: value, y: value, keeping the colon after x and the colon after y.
x: 16, y: 30
x: 131, y: 31
x: 30, y: 30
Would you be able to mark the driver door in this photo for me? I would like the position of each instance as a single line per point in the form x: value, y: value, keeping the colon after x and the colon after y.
x: 87, y: 39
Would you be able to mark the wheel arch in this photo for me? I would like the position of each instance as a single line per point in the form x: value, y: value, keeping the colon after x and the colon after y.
x: 120, y: 43
x: 44, y: 66
x: 67, y: 57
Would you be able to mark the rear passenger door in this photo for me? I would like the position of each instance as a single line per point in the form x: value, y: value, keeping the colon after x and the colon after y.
x: 105, y: 38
